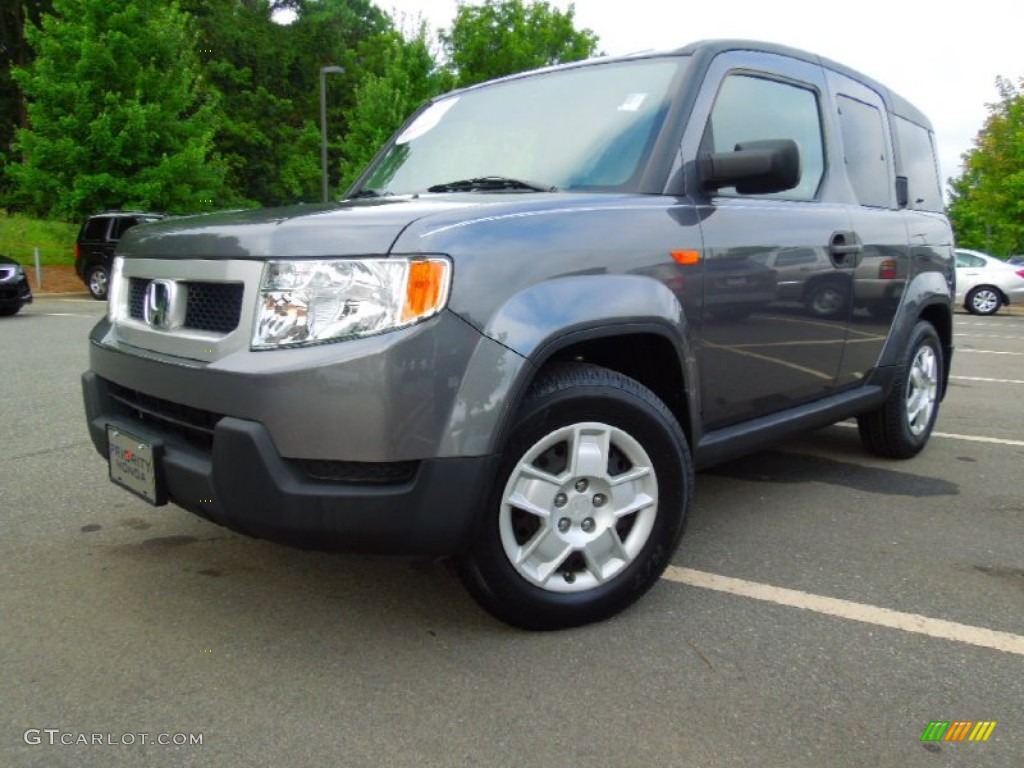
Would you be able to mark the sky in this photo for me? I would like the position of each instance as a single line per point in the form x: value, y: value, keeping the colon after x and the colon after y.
x: 942, y: 57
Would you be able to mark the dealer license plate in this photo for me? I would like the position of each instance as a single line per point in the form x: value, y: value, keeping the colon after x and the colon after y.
x: 133, y: 464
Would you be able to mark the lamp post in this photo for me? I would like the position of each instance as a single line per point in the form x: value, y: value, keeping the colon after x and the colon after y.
x: 324, y: 71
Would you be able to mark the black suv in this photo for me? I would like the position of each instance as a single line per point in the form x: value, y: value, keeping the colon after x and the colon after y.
x: 97, y: 239
x: 547, y: 301
x: 14, y: 289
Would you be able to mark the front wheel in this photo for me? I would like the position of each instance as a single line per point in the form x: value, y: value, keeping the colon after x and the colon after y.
x: 902, y: 426
x: 588, y: 506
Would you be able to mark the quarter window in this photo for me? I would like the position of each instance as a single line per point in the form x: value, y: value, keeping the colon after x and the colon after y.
x: 750, y: 108
x: 919, y: 166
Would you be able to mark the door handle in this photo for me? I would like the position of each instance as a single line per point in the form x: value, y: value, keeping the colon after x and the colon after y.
x: 842, y: 246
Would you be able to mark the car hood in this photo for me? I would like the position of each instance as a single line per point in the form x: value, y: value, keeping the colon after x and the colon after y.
x: 347, y: 228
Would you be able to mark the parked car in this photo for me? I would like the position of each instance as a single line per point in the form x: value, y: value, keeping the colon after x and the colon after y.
x: 97, y: 240
x: 535, y: 314
x: 985, y: 283
x: 1016, y: 260
x: 14, y: 288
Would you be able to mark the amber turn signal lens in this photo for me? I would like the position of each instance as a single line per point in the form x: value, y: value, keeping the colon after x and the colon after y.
x: 426, y: 289
x: 686, y: 258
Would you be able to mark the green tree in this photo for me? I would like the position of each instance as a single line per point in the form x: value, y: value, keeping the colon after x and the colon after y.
x: 267, y: 75
x: 118, y: 112
x: 15, y: 15
x: 501, y: 37
x: 384, y: 101
x: 987, y: 199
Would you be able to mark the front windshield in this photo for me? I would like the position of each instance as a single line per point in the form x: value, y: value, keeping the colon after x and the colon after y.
x: 586, y: 127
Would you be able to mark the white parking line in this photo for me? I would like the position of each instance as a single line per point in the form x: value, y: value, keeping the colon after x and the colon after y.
x: 989, y: 381
x: 979, y: 439
x: 954, y: 436
x: 962, y: 350
x: 846, y: 609
x: 987, y: 336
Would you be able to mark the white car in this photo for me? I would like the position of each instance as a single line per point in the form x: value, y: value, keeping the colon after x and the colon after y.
x: 985, y: 283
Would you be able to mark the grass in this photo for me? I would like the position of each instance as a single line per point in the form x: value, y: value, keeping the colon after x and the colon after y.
x: 20, y: 235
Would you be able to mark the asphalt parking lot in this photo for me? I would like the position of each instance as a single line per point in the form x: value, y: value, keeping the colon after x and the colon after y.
x: 824, y: 608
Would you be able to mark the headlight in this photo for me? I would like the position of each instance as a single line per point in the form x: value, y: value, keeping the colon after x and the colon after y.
x: 310, y: 302
x: 114, y: 290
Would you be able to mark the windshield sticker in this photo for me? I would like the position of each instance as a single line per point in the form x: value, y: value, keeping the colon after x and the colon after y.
x: 427, y: 121
x: 633, y: 102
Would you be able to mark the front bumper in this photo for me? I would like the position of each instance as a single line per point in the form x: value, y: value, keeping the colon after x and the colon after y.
x: 244, y: 484
x: 15, y: 292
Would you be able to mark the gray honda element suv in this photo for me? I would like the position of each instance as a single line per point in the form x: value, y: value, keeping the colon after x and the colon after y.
x: 547, y: 301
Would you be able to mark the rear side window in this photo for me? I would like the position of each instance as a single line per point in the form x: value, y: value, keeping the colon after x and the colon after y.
x: 866, y: 152
x: 919, y: 165
x: 750, y: 108
x: 121, y: 226
x: 96, y: 229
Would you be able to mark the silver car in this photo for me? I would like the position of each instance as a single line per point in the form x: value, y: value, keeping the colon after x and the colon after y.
x: 985, y: 283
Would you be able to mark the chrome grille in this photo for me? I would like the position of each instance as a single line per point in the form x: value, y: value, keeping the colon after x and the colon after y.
x: 214, y: 307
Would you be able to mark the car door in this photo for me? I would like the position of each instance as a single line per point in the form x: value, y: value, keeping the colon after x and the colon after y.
x: 882, y: 263
x: 770, y: 338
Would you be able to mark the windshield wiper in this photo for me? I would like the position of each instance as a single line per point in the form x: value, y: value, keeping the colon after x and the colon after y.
x: 491, y: 184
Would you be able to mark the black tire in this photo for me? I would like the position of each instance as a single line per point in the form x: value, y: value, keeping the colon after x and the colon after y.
x: 983, y: 300
x: 902, y: 426
x: 10, y: 309
x: 647, y: 459
x: 97, y: 280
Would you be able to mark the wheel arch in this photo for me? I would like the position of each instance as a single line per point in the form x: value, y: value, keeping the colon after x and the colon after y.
x: 650, y: 352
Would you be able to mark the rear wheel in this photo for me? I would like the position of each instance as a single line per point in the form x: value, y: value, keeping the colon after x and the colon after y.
x: 828, y: 299
x: 588, y: 506
x: 98, y: 282
x: 983, y: 300
x: 902, y: 426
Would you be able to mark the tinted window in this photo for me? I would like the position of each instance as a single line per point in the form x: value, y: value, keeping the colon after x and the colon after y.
x: 919, y: 166
x: 96, y: 229
x: 753, y: 109
x: 122, y: 225
x: 866, y: 152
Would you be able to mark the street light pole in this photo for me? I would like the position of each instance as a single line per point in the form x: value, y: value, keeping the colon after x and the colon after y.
x: 324, y: 71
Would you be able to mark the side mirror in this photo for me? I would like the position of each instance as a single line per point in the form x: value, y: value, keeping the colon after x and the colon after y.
x: 754, y: 168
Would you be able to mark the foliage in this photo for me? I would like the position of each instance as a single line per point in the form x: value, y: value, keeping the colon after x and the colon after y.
x: 186, y: 105
x: 20, y: 235
x: 987, y: 200
x: 119, y: 114
x: 14, y: 52
x: 268, y: 79
x: 384, y: 101
x: 501, y: 37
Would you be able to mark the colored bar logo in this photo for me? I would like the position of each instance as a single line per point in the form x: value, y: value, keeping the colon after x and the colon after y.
x: 958, y: 730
